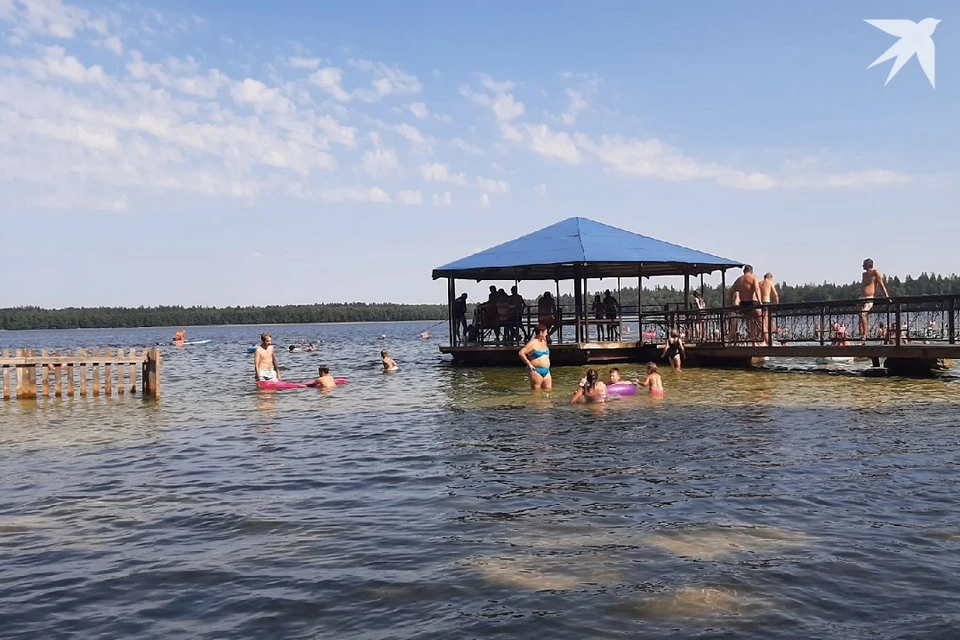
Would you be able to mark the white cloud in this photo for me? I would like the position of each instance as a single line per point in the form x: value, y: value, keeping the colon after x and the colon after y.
x: 56, y: 64
x: 259, y: 95
x: 419, y: 109
x: 439, y: 172
x: 463, y: 145
x: 490, y: 84
x: 493, y: 186
x: 410, y: 197
x: 484, y: 200
x: 443, y: 117
x: 112, y: 44
x: 506, y: 109
x: 328, y: 79
x: 386, y: 81
x: 380, y: 162
x: 541, y: 189
x: 556, y: 145
x: 339, y: 195
x: 442, y: 199
x: 577, y: 104
x: 300, y: 62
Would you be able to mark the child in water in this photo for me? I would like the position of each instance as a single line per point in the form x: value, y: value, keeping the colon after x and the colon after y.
x: 653, y: 381
x: 591, y: 389
x: 324, y: 379
x: 388, y: 363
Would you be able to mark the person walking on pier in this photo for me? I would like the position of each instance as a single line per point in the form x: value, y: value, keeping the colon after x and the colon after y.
x: 460, y: 317
x: 868, y: 290
x: 768, y: 295
x: 746, y: 288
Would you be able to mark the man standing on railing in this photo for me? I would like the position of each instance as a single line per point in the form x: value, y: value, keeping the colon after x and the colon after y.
x: 868, y: 290
x: 746, y: 291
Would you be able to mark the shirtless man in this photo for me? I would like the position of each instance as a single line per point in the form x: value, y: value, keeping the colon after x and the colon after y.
x: 746, y: 289
x: 265, y: 365
x: 768, y: 295
x: 868, y: 290
x: 389, y: 364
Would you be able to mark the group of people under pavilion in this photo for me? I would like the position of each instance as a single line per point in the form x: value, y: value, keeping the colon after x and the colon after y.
x: 512, y: 320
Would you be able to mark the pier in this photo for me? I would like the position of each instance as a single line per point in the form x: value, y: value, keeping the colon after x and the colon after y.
x: 914, y: 334
x: 65, y: 373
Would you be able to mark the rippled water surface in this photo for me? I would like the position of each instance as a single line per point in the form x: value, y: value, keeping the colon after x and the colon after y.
x: 790, y: 501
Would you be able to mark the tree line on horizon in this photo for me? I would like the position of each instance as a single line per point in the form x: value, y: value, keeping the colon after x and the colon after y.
x: 22, y: 318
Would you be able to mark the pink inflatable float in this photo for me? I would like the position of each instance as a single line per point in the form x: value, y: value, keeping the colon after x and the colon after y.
x: 283, y: 384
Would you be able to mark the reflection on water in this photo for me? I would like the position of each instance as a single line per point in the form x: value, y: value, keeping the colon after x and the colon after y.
x: 445, y: 502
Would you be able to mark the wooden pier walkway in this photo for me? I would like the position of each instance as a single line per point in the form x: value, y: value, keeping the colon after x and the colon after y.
x: 65, y: 373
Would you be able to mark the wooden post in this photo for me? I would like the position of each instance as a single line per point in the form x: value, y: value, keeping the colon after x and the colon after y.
x: 57, y: 376
x: 640, y: 301
x: 723, y: 305
x: 107, y: 373
x: 151, y: 374
x: 558, y: 315
x: 121, y: 374
x: 45, y: 372
x: 132, y: 370
x: 95, y: 353
x: 578, y: 299
x: 6, y: 376
x: 896, y: 311
x: 951, y: 323
x: 83, y: 373
x: 70, y: 388
x: 620, y: 314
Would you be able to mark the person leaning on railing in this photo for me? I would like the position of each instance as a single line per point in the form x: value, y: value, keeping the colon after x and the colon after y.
x: 547, y: 312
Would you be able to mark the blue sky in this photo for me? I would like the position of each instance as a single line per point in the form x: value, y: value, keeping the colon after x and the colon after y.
x: 222, y: 153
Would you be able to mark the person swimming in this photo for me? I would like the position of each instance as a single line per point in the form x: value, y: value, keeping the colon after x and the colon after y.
x: 536, y: 355
x: 653, y: 381
x: 591, y: 390
x: 324, y: 379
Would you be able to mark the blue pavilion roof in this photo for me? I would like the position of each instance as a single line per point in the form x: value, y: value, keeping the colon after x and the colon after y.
x: 585, y: 247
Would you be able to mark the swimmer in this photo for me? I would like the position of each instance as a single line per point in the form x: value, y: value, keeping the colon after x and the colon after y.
x: 592, y: 390
x: 536, y: 355
x: 388, y: 363
x: 653, y: 381
x: 324, y: 379
x: 674, y: 349
x: 615, y: 378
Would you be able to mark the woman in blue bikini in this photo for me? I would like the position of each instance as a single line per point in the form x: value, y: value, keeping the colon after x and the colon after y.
x: 536, y: 355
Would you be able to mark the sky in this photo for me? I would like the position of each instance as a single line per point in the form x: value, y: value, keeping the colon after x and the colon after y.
x: 245, y: 153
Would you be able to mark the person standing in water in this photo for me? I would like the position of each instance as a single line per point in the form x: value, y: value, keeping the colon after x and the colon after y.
x: 674, y: 349
x: 389, y: 364
x: 592, y: 390
x: 265, y: 365
x: 536, y: 355
x: 653, y: 381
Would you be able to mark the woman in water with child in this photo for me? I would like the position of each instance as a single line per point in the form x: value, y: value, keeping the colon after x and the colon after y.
x: 590, y: 389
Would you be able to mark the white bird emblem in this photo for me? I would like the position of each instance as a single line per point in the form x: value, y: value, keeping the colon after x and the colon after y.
x: 915, y: 38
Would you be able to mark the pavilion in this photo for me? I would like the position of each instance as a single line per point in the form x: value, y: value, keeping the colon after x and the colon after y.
x: 574, y: 249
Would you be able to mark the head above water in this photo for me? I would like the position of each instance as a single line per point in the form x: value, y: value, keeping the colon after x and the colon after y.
x: 265, y: 339
x: 324, y: 370
x: 592, y: 377
x: 614, y: 375
x: 383, y: 353
x: 651, y: 367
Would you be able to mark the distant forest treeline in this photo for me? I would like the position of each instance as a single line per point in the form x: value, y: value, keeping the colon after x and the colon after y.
x: 114, y: 317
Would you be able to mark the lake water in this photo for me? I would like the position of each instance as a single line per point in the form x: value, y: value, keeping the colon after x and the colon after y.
x: 452, y: 503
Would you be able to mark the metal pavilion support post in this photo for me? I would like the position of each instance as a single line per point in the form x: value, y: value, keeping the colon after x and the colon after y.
x: 558, y: 312
x: 723, y: 303
x: 951, y: 323
x: 640, y: 301
x: 578, y: 299
x: 451, y: 297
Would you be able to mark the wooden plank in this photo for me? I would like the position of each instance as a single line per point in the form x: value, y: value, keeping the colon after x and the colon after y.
x: 62, y: 360
x: 83, y: 373
x: 70, y: 388
x: 30, y: 378
x: 151, y: 374
x: 45, y: 369
x: 20, y: 375
x: 133, y: 371
x: 96, y: 373
x: 6, y: 377
x: 121, y: 375
x: 107, y: 375
x: 57, y: 377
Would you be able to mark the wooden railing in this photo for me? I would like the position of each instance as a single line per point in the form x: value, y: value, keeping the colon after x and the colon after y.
x: 72, y: 372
